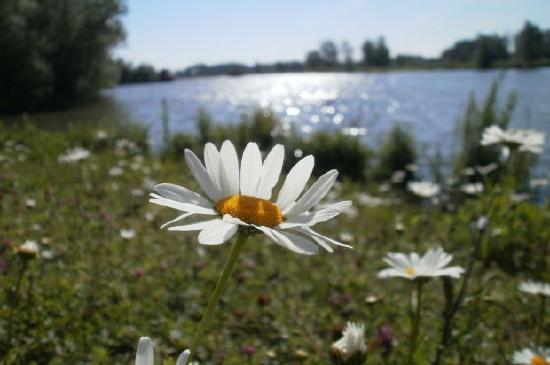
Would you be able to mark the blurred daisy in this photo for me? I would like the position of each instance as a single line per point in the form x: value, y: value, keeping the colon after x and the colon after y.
x: 412, y: 266
x: 74, y: 155
x: 127, y: 234
x: 424, y: 189
x: 487, y: 169
x: 29, y: 249
x: 523, y: 139
x: 30, y: 203
x: 243, y: 198
x: 351, y: 348
x: 116, y: 171
x: 535, y: 288
x: 472, y: 188
x: 145, y: 354
x: 529, y: 356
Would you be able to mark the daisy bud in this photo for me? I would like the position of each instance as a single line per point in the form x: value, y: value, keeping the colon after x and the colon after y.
x: 351, y: 348
x: 28, y: 250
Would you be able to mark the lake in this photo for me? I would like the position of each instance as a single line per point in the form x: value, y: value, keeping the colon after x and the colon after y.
x: 429, y: 103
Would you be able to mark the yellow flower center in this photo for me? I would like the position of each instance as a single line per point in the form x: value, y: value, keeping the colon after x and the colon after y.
x: 410, y: 271
x: 251, y: 210
x: 538, y: 360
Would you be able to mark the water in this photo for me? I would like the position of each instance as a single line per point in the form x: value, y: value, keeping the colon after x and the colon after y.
x: 429, y: 103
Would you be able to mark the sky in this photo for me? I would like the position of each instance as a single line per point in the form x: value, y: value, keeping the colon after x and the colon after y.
x: 178, y: 33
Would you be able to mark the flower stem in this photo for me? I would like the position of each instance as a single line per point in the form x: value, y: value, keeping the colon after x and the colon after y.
x: 540, y: 323
x: 416, y: 315
x: 218, y: 290
x: 15, y: 298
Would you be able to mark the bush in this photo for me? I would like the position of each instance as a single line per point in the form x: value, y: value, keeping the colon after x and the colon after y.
x: 397, y: 153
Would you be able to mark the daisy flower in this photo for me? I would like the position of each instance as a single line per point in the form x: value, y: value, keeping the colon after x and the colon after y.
x: 472, y: 188
x: 239, y: 195
x: 529, y: 356
x: 412, y: 266
x: 74, y: 155
x: 424, y: 189
x: 524, y: 139
x: 145, y: 354
x: 28, y: 249
x: 535, y: 288
x: 351, y: 348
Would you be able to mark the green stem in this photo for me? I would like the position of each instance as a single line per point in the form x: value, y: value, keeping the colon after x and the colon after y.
x: 218, y: 290
x: 416, y: 316
x: 540, y: 323
x: 15, y: 298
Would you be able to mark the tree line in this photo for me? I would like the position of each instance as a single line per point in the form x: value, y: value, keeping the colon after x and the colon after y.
x: 530, y: 46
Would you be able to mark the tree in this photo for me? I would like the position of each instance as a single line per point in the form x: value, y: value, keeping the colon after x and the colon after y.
x: 489, y: 49
x: 56, y: 52
x: 462, y: 52
x: 347, y: 52
x: 376, y: 54
x: 329, y: 53
x: 314, y: 60
x: 383, y: 53
x: 529, y: 44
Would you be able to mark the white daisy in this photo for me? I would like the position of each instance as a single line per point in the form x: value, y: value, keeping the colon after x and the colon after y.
x: 351, y: 345
x: 529, y: 356
x: 29, y: 248
x: 412, y: 266
x: 145, y: 354
x: 127, y: 234
x: 523, y: 139
x: 242, y: 197
x: 424, y: 189
x: 472, y: 188
x: 74, y: 155
x: 535, y: 288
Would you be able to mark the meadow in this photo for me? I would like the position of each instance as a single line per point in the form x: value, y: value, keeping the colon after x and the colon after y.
x: 103, y: 272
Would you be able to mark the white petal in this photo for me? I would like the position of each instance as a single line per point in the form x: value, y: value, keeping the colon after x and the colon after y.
x: 295, y: 182
x: 453, y: 272
x: 251, y: 167
x: 311, y: 232
x: 185, y: 207
x: 201, y: 175
x: 230, y: 169
x: 145, y: 352
x: 390, y: 273
x: 313, y: 195
x: 217, y: 232
x: 229, y: 219
x: 212, y: 163
x: 196, y: 226
x: 310, y: 219
x: 177, y: 219
x: 183, y: 358
x: 293, y: 242
x: 181, y: 194
x: 271, y: 170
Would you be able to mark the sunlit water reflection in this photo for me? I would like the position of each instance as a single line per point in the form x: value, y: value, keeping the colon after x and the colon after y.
x: 428, y: 102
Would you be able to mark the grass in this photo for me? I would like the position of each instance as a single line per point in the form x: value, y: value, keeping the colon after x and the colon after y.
x: 91, y: 294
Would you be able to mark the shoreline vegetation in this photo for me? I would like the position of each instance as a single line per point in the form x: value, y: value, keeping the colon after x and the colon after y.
x: 528, y: 48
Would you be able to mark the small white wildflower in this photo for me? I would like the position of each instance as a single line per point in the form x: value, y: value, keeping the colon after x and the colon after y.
x: 535, y: 288
x: 412, y: 266
x: 424, y: 189
x: 74, y: 155
x: 116, y: 171
x: 127, y: 233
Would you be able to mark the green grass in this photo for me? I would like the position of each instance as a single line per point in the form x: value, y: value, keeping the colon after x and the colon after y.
x: 98, y: 293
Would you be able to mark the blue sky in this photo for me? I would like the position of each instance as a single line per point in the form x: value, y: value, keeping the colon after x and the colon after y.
x: 179, y: 33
